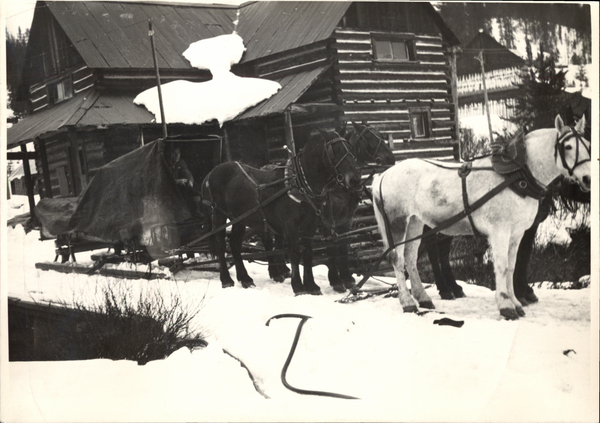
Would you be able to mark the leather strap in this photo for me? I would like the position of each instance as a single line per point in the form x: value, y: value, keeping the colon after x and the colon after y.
x: 463, y: 172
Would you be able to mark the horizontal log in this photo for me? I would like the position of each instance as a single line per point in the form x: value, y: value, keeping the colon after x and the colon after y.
x: 386, y: 66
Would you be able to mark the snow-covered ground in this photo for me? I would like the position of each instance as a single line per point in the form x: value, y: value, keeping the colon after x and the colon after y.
x: 402, y: 366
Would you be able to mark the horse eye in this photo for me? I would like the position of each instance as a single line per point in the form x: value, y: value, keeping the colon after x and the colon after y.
x: 568, y: 147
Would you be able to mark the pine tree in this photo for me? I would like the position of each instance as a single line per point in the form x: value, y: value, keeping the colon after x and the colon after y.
x: 541, y: 94
x: 16, y: 47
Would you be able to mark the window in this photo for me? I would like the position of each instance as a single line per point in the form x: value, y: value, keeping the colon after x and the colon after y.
x: 393, y: 48
x: 61, y: 91
x: 420, y: 123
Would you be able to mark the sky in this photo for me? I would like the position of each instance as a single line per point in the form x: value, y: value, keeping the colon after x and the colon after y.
x: 17, y: 13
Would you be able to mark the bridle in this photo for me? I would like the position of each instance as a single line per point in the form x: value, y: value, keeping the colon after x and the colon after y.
x: 330, y: 159
x: 360, y: 145
x: 559, y: 149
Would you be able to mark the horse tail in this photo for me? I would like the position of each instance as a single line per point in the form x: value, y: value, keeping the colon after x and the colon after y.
x: 380, y: 215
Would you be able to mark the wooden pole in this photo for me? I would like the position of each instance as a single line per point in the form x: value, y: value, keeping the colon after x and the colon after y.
x: 41, y: 145
x: 289, y: 132
x: 454, y: 86
x: 485, y: 95
x: 160, y: 99
x: 28, y: 179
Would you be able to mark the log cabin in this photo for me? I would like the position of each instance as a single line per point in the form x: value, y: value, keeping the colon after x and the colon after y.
x: 389, y: 64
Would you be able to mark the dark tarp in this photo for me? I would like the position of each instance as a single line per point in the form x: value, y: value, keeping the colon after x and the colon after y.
x: 132, y: 197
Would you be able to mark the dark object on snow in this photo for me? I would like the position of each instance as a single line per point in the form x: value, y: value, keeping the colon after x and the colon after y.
x: 303, y: 320
x: 566, y: 352
x: 449, y: 322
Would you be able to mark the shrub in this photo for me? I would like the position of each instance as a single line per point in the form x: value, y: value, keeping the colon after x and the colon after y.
x: 122, y: 325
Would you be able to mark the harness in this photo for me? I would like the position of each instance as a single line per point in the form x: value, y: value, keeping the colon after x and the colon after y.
x: 292, y: 173
x: 300, y: 189
x: 559, y: 148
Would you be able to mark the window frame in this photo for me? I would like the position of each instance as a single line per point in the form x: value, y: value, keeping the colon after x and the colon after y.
x: 426, y: 113
x: 407, y: 39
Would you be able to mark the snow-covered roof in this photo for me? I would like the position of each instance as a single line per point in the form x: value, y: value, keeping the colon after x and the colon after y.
x: 222, y: 98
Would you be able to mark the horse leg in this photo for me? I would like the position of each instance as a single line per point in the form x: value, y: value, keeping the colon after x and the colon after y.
x: 411, y: 254
x: 219, y: 251
x: 444, y: 247
x: 294, y: 252
x: 284, y: 270
x: 431, y: 246
x: 512, y: 258
x: 307, y: 260
x: 274, y: 274
x: 235, y: 242
x: 333, y: 274
x: 342, y: 262
x: 523, y: 291
x: 500, y: 243
x: 396, y: 258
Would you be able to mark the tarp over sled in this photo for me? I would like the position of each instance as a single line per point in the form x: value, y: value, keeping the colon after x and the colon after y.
x: 132, y: 198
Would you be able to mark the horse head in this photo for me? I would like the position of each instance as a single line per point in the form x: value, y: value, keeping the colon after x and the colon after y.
x: 339, y: 156
x: 574, y: 152
x: 371, y: 146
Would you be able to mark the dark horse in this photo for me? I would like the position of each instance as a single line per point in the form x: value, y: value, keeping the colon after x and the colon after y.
x: 341, y: 203
x: 233, y: 189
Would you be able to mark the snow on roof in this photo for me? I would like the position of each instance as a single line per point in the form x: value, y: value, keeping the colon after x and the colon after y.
x: 222, y: 98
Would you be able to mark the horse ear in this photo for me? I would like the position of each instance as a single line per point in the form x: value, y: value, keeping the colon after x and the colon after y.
x: 343, y: 126
x: 580, y: 127
x: 356, y: 126
x: 558, y: 123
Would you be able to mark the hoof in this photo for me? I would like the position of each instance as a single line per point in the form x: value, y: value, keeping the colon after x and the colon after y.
x: 459, y: 293
x: 410, y: 309
x: 339, y: 288
x: 509, y: 313
x: 447, y: 295
x: 248, y: 284
x: 523, y: 301
x: 299, y: 293
x: 227, y: 284
x: 278, y: 278
x: 531, y: 297
x: 315, y: 292
x: 520, y: 311
x: 427, y: 304
x: 349, y: 283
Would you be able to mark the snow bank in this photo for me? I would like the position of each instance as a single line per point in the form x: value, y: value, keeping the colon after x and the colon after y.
x: 402, y: 366
x: 222, y: 98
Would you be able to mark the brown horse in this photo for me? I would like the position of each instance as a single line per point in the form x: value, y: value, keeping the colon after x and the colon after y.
x: 287, y: 202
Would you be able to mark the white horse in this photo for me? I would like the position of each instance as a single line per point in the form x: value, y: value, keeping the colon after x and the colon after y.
x: 415, y: 192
